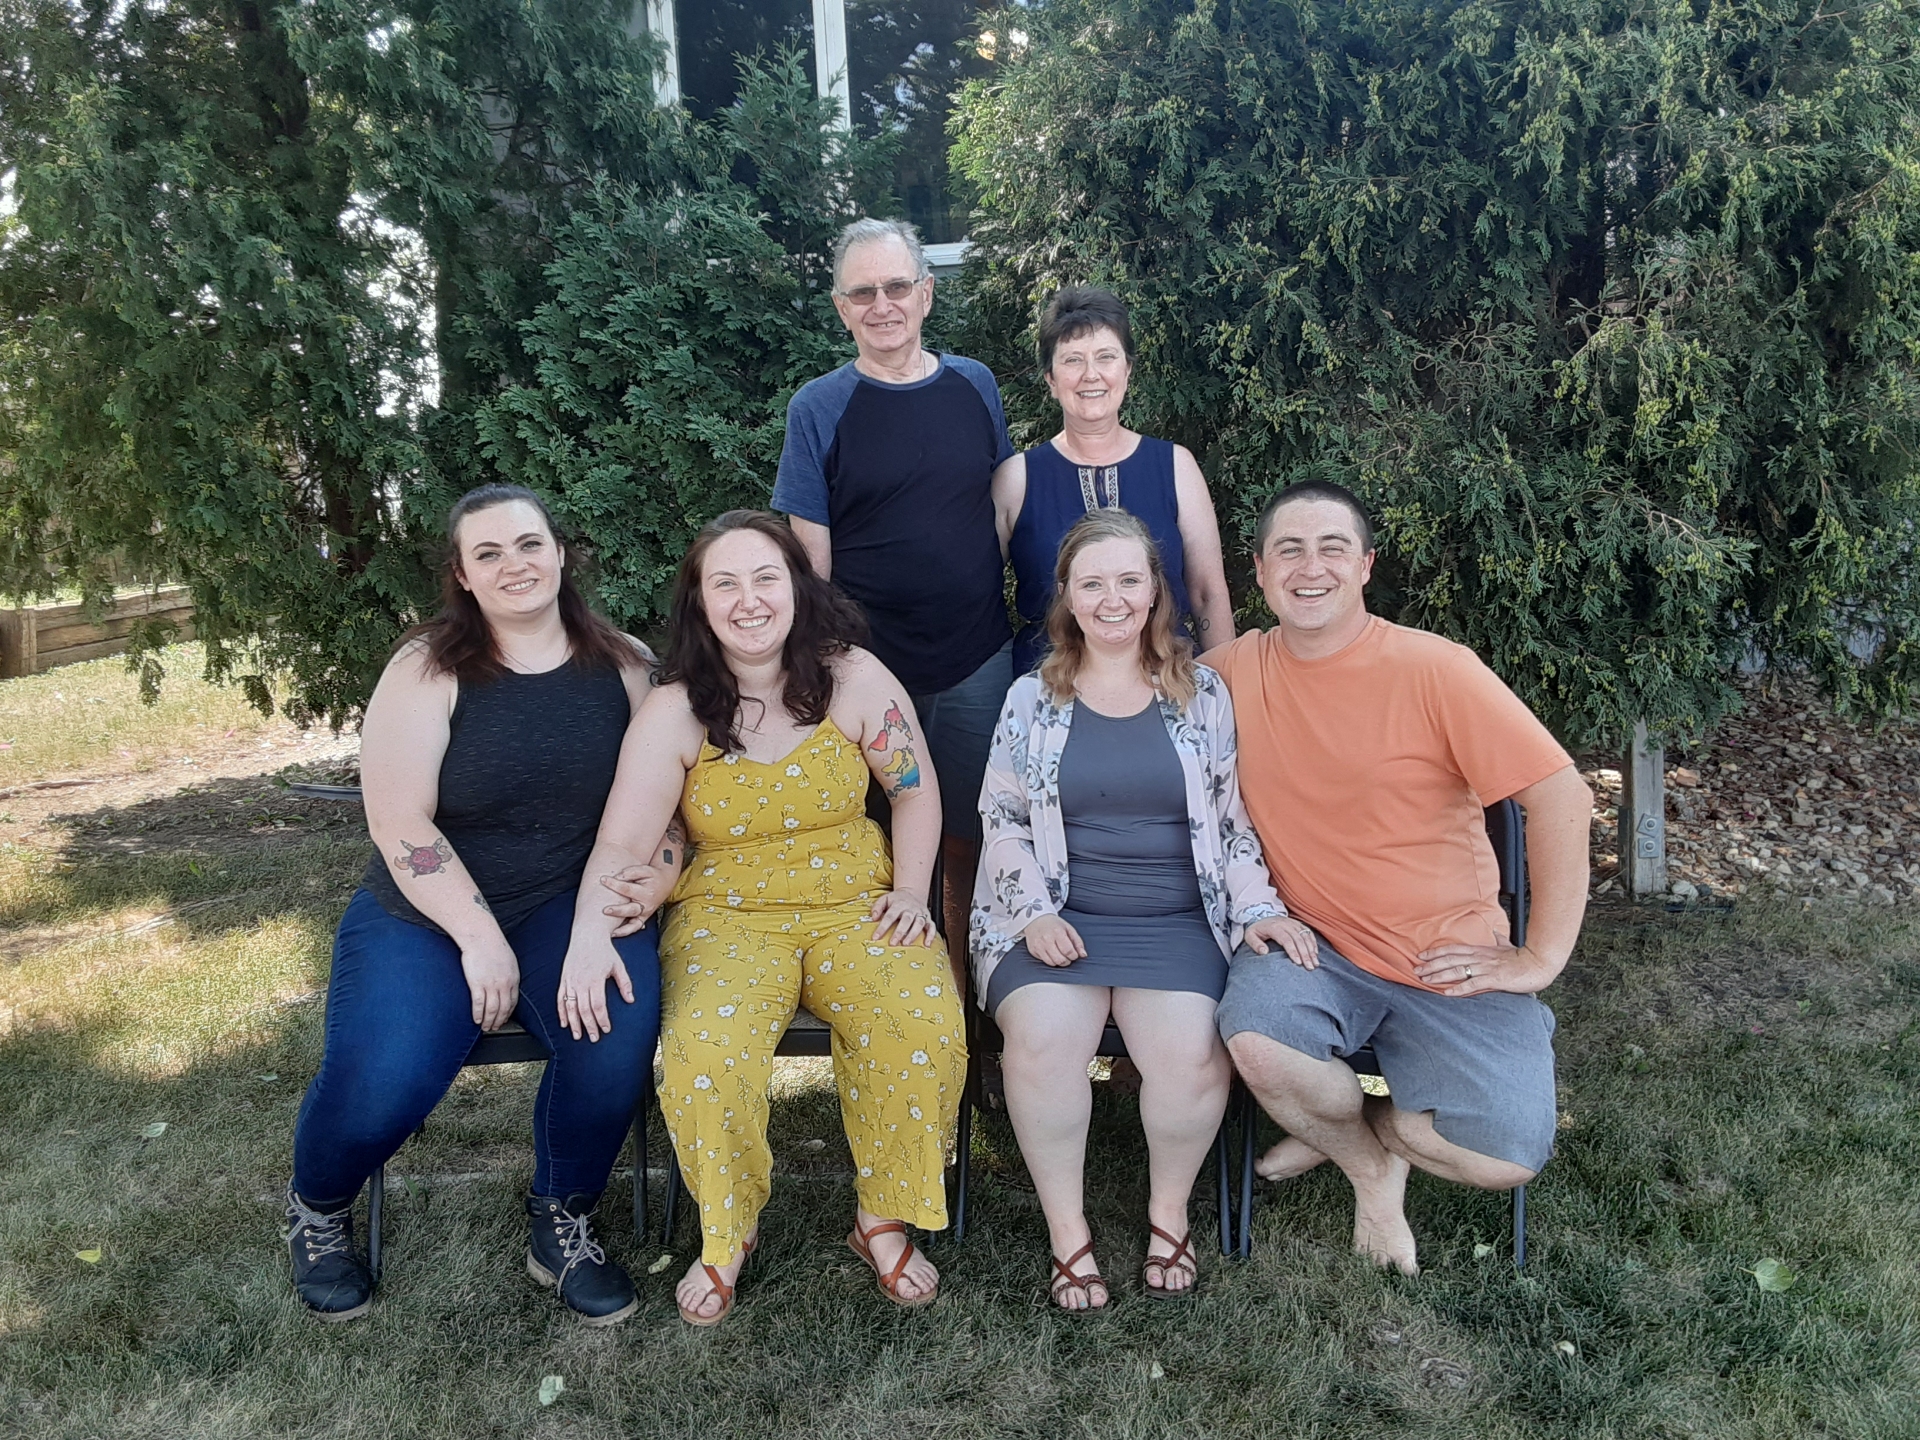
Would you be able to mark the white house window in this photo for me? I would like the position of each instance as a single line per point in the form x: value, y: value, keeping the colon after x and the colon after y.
x: 892, y: 64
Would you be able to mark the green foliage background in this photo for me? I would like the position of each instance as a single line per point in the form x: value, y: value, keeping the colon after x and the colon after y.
x: 1611, y: 310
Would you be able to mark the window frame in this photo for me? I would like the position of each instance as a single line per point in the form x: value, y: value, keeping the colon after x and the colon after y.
x: 830, y: 79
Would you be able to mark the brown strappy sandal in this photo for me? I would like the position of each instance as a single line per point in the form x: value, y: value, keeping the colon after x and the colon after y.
x: 720, y: 1288
x: 1182, y: 1259
x: 858, y: 1242
x: 1065, y: 1279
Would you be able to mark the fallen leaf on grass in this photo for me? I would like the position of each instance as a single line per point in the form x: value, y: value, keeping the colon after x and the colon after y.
x: 268, y: 1076
x: 551, y: 1389
x: 657, y: 1266
x: 153, y: 1131
x: 1567, y: 1348
x: 1773, y: 1276
x: 1156, y: 1371
x: 1481, y: 1251
x: 813, y: 1144
x: 91, y: 1257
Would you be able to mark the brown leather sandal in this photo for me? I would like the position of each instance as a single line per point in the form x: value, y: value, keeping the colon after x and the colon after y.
x: 1064, y: 1279
x: 859, y: 1243
x: 720, y: 1288
x: 1182, y: 1260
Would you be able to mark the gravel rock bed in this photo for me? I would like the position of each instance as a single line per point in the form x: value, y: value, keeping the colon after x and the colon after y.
x: 1784, y: 797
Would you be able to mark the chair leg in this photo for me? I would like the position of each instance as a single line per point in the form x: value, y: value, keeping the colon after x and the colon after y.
x: 1223, y: 1183
x: 1519, y: 1227
x: 376, y: 1213
x: 1249, y: 1126
x: 963, y: 1156
x: 640, y: 1168
x: 673, y: 1200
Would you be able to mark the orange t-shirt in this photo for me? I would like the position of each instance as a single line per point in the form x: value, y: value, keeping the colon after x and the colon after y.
x: 1366, y: 773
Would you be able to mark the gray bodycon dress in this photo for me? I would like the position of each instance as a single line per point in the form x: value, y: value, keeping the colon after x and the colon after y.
x: 1132, y: 891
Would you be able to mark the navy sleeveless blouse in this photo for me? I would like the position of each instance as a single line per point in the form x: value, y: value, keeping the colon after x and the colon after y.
x: 1059, y: 492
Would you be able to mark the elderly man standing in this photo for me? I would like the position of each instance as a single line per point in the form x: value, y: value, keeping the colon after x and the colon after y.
x: 1367, y: 754
x: 886, y: 476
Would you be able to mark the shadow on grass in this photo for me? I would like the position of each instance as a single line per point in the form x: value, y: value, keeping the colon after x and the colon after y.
x: 1736, y: 1086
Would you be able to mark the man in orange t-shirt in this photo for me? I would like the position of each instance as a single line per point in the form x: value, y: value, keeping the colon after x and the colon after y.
x: 1368, y: 752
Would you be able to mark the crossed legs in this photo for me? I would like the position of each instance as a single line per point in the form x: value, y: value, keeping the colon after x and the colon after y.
x: 1327, y: 1116
x: 1052, y: 1031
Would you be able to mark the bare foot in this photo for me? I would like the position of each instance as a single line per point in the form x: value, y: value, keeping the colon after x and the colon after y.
x: 1291, y: 1157
x: 919, y: 1278
x: 695, y: 1293
x: 1380, y: 1229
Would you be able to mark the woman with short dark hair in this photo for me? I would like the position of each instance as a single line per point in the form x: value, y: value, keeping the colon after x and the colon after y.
x: 1097, y: 463
x: 486, y: 756
x: 767, y: 726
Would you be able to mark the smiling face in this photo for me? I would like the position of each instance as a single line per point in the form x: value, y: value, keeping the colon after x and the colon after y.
x: 1089, y: 376
x: 886, y: 328
x: 509, y: 560
x: 1314, y: 575
x: 746, y: 592
x: 1110, y: 592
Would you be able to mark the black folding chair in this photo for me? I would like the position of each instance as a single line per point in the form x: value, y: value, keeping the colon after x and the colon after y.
x: 511, y: 1046
x: 1507, y: 830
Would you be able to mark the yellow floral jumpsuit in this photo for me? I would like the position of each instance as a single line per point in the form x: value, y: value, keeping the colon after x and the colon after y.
x: 773, y: 912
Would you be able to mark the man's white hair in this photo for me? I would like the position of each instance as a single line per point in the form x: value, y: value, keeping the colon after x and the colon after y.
x: 866, y: 230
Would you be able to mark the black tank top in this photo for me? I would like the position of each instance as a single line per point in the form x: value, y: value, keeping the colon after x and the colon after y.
x: 530, y: 759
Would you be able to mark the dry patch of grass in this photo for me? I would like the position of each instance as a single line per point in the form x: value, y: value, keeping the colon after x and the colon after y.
x: 89, y: 719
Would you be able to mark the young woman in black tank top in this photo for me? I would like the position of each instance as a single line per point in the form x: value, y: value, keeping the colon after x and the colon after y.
x: 487, y: 754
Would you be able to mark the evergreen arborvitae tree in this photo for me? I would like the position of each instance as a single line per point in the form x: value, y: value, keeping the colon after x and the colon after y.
x: 1609, y: 310
x: 250, y: 244
x: 202, y: 326
x: 680, y: 325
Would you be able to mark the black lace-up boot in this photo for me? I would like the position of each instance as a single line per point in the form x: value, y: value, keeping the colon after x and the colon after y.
x: 563, y: 1255
x: 329, y: 1277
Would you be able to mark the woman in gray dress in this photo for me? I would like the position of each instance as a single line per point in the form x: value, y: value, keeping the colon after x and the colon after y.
x: 1118, y: 873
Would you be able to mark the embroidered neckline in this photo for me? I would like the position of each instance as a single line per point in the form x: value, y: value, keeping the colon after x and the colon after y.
x: 1109, y: 485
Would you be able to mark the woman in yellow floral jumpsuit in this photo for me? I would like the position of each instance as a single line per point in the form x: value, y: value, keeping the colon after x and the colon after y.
x: 788, y: 897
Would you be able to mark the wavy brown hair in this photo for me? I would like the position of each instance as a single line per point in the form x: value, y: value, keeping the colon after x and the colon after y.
x: 459, y: 640
x: 825, y: 624
x: 1166, y: 655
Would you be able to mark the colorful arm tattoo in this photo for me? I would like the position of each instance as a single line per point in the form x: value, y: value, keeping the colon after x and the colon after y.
x: 895, y: 742
x: 424, y: 860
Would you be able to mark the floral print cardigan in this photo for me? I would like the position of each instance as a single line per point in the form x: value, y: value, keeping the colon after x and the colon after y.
x: 1023, y: 849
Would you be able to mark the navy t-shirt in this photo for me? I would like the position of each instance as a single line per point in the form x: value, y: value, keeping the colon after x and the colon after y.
x: 902, y: 476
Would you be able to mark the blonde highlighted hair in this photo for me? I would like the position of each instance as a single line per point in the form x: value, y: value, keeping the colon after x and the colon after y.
x: 1166, y: 654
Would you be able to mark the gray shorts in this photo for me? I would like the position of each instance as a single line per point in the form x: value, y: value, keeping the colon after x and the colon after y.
x: 1483, y: 1064
x: 959, y: 724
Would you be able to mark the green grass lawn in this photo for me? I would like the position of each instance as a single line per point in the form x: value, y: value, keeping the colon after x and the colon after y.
x: 1737, y: 1086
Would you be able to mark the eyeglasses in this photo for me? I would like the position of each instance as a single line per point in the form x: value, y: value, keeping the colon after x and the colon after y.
x: 862, y: 296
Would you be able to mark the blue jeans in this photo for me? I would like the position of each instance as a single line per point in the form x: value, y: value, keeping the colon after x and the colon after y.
x: 959, y: 725
x: 400, y: 1024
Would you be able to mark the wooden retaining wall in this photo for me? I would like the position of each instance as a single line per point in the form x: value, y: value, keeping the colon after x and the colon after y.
x: 43, y: 636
